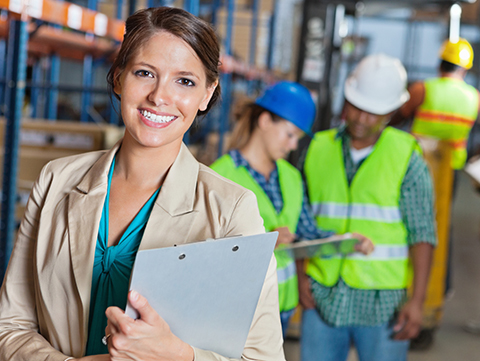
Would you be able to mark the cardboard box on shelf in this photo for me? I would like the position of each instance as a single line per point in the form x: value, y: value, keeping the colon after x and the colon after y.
x: 267, y: 5
x: 208, y: 152
x: 43, y: 141
x: 242, y: 28
x: 471, y: 13
x: 65, y: 136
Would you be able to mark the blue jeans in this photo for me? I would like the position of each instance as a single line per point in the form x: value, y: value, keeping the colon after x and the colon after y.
x: 285, y: 319
x: 321, y: 342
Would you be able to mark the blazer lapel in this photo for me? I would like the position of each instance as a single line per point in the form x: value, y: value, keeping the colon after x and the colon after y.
x: 85, y: 204
x: 173, y: 214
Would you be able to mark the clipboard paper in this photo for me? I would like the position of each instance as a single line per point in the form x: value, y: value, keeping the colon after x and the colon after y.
x: 207, y: 292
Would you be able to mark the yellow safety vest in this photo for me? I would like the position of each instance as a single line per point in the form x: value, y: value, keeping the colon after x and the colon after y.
x: 369, y: 206
x: 292, y: 193
x: 448, y: 113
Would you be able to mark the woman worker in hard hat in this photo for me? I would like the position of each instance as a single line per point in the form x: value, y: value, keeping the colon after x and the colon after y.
x: 267, y: 131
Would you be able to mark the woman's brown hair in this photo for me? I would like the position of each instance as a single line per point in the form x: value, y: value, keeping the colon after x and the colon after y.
x: 198, y: 34
x: 246, y: 115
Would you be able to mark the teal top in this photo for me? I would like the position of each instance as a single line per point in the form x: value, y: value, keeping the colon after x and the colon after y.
x: 112, y: 267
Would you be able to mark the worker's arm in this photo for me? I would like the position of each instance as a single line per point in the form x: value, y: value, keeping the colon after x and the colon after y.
x: 407, y: 110
x: 305, y: 294
x: 417, y: 208
x: 409, y: 320
x: 478, y: 117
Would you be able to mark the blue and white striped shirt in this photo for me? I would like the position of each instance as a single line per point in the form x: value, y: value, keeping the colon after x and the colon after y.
x: 307, y: 227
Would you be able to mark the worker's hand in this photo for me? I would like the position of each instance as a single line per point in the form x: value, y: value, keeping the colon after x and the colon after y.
x: 284, y: 236
x: 365, y: 245
x: 305, y: 294
x: 409, y: 321
x: 147, y: 338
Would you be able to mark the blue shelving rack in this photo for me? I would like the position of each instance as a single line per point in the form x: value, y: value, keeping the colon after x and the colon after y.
x: 16, y: 78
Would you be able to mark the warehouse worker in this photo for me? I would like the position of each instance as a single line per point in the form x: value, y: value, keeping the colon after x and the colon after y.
x: 368, y: 178
x: 266, y: 132
x: 446, y: 107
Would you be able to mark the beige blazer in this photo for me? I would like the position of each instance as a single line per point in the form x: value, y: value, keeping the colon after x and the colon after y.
x: 45, y: 296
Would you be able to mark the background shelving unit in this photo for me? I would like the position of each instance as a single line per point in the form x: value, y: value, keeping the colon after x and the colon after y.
x: 53, y: 64
x: 35, y: 36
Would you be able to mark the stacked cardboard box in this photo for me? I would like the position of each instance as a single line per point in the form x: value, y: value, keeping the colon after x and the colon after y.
x: 43, y: 141
x: 242, y: 30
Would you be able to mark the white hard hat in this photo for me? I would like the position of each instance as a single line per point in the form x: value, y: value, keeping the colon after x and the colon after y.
x: 377, y: 85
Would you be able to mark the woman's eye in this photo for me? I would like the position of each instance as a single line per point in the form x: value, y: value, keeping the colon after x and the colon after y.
x: 143, y: 73
x: 187, y: 82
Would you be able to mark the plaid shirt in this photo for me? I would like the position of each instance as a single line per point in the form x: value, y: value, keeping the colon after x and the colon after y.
x: 342, y: 305
x: 307, y: 226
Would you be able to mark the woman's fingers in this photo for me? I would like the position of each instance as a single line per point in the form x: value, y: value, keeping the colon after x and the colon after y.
x: 118, y: 321
x: 284, y: 235
x: 146, y: 312
x: 365, y: 245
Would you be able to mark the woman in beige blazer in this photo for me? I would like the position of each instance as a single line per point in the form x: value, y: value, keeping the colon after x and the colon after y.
x: 166, y: 72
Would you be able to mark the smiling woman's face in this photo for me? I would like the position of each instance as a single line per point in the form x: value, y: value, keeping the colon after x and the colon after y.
x: 161, y: 90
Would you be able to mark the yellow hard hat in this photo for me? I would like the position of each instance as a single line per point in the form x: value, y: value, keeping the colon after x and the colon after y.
x: 459, y: 53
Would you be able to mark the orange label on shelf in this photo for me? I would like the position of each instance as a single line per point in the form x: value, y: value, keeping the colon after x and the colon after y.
x: 67, y: 14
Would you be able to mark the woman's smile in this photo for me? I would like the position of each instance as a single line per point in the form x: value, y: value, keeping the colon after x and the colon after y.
x: 152, y: 119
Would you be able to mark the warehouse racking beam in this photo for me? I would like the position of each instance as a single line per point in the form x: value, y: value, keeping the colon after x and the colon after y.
x: 3, y: 50
x: 226, y: 79
x: 215, y: 7
x: 253, y: 43
x: 16, y: 73
x: 86, y: 83
x: 192, y: 6
x: 88, y: 70
x: 52, y: 93
x: 44, y: 41
x: 271, y: 42
x: 68, y: 15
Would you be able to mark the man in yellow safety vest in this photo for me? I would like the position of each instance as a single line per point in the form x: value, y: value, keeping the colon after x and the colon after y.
x: 446, y: 107
x: 369, y: 178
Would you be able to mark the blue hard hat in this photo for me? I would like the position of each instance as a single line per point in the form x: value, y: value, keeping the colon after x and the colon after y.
x: 290, y: 101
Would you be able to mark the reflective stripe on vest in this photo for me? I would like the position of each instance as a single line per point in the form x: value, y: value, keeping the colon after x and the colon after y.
x: 383, y: 253
x: 369, y: 206
x: 287, y: 272
x: 291, y: 187
x: 380, y: 253
x: 448, y: 112
x: 358, y: 211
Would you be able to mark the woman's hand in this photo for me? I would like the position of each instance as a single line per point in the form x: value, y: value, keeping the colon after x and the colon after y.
x: 284, y: 236
x: 365, y: 245
x: 147, y: 338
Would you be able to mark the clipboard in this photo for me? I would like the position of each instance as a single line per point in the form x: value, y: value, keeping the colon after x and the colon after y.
x: 325, y: 247
x: 208, y: 291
